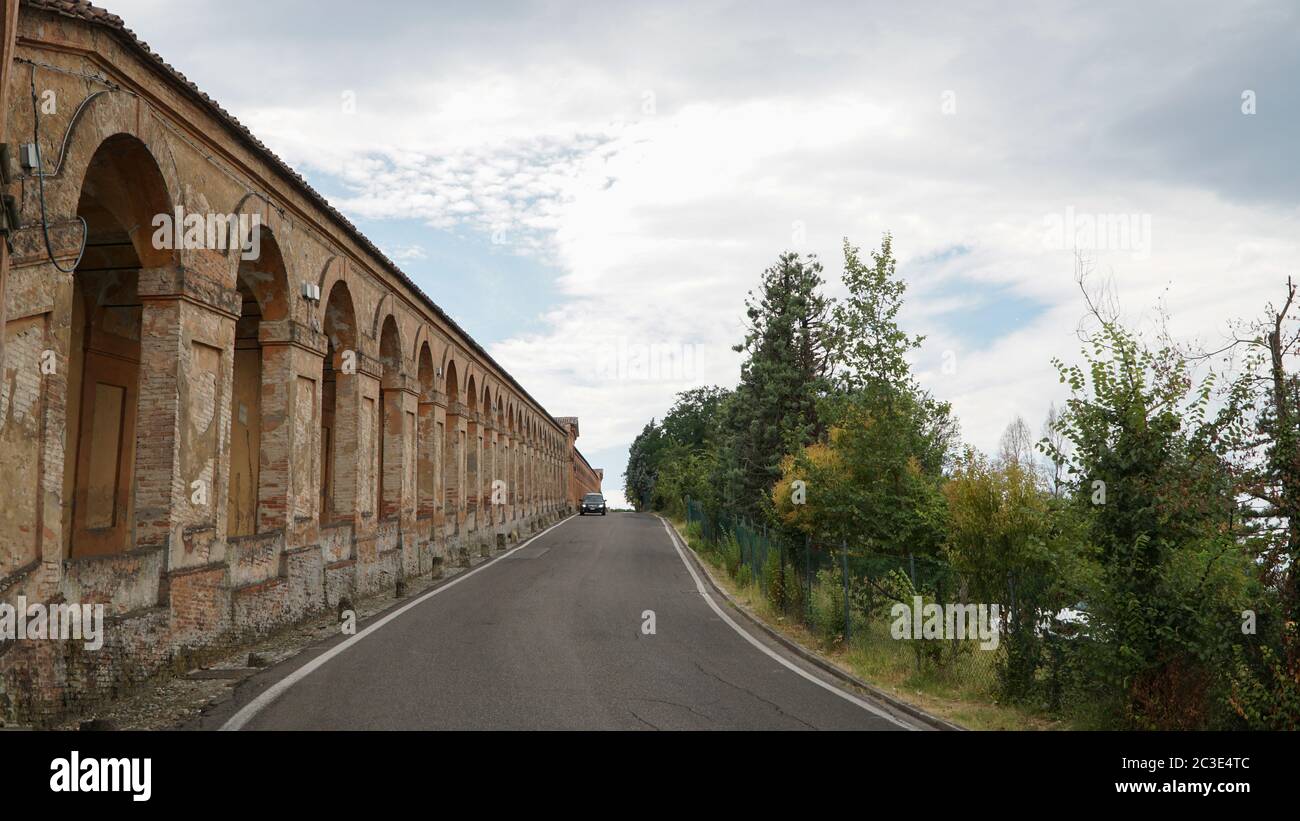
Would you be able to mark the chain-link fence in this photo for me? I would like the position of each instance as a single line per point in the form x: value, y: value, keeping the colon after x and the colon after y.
x: 844, y: 595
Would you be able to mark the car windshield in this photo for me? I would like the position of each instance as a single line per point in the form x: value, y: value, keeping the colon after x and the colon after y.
x: 593, y: 498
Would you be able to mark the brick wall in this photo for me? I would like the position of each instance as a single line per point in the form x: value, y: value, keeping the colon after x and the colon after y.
x: 178, y: 589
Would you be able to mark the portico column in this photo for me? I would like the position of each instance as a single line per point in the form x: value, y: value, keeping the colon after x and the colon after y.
x: 432, y: 417
x: 183, y: 423
x: 512, y: 464
x: 288, y: 468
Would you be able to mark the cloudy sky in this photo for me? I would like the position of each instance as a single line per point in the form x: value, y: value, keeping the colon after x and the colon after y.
x: 590, y: 189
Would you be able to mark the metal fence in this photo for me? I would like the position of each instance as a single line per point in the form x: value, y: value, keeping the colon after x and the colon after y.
x: 843, y: 594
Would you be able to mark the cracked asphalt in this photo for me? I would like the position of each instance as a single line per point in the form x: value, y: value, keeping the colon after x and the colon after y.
x: 550, y: 637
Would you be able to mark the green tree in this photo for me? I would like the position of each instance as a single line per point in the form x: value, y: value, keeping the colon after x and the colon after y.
x: 1266, y: 676
x: 1011, y: 545
x: 693, y: 419
x: 875, y: 481
x: 869, y: 347
x: 783, y: 375
x: 869, y: 484
x: 643, y: 465
x: 677, y: 457
x: 1146, y: 469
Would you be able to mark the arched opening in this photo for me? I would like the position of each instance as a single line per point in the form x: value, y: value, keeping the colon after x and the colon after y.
x: 263, y: 288
x: 512, y: 464
x: 430, y: 434
x: 339, y: 468
x: 395, y: 428
x: 489, y: 459
x: 474, y: 441
x: 527, y: 467
x: 517, y: 466
x: 121, y: 192
x: 452, y: 450
x: 503, y: 460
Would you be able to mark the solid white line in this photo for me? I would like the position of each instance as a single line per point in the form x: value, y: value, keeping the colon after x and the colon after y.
x: 847, y: 696
x: 265, y: 699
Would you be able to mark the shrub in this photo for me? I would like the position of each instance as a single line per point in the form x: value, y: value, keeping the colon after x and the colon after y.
x: 744, y: 578
x: 730, y: 554
x: 774, y: 574
x: 828, y: 604
x: 1265, y: 690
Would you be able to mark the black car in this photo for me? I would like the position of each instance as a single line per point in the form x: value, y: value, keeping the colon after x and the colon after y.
x: 592, y: 503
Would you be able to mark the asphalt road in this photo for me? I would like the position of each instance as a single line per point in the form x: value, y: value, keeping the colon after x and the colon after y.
x: 549, y: 637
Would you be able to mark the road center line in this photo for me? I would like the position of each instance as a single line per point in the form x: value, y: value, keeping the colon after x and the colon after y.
x: 266, y: 698
x: 847, y: 696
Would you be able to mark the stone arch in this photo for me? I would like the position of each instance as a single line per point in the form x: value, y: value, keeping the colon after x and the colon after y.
x: 427, y: 438
x: 333, y: 271
x: 390, y: 349
x: 396, y: 430
x: 255, y: 479
x: 450, y: 381
x: 489, y: 462
x: 473, y: 451
x: 381, y: 316
x: 425, y: 372
x: 121, y: 188
x: 340, y: 396
x: 530, y: 482
x: 108, y: 118
x: 451, y: 365
x: 423, y: 338
x: 453, y: 444
x: 330, y: 270
x: 269, y: 223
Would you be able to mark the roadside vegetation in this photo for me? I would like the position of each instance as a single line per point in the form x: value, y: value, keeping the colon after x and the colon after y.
x: 953, y: 693
x: 1140, y: 549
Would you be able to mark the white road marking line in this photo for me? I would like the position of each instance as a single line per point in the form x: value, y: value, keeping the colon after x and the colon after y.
x: 847, y: 696
x: 265, y: 699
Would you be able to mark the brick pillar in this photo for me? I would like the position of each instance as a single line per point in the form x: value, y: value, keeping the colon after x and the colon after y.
x: 440, y: 457
x: 451, y: 469
x: 480, y: 470
x: 532, y: 479
x: 524, y: 486
x: 472, y: 473
x: 484, y: 474
x: 501, y: 439
x: 367, y: 395
x: 427, y: 466
x: 489, y: 473
x: 512, y: 461
x: 183, y: 423
x: 344, y: 455
x: 289, y: 469
x: 461, y: 435
x: 399, y: 404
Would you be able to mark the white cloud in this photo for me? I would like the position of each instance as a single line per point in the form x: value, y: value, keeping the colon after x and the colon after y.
x: 775, y: 124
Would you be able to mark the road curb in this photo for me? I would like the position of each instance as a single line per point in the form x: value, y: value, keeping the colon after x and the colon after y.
x: 808, y: 655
